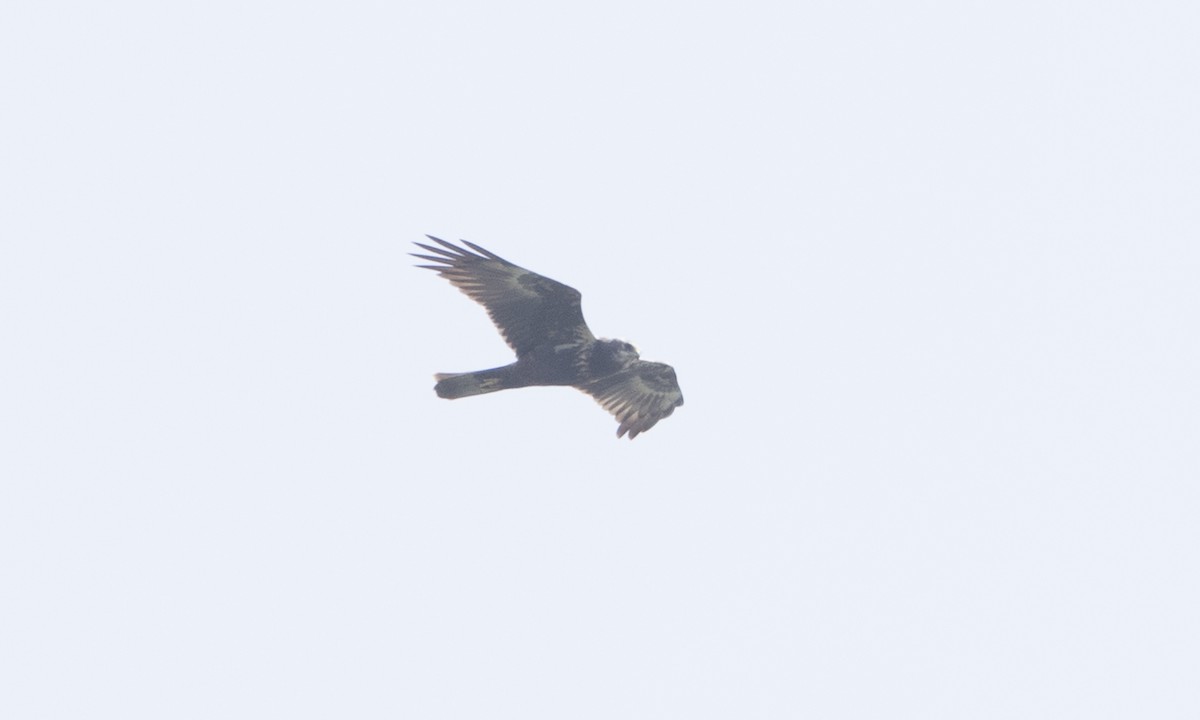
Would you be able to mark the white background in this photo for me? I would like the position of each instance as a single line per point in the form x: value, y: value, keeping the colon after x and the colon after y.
x: 927, y: 272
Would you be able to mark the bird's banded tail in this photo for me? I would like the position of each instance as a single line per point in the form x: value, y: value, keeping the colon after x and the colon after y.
x: 481, y: 382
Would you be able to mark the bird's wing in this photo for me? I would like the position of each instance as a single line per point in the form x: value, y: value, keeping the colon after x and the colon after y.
x: 528, y: 309
x: 638, y: 396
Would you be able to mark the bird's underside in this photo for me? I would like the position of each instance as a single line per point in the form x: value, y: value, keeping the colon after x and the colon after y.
x: 542, y: 321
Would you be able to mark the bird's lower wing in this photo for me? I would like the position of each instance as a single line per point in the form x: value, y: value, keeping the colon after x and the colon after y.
x: 638, y: 396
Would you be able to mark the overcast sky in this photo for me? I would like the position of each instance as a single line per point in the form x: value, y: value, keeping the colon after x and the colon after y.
x: 927, y: 271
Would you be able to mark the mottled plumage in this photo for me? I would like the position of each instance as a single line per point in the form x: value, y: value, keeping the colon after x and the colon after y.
x: 541, y: 320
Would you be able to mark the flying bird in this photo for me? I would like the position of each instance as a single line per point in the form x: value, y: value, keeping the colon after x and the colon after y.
x: 542, y: 321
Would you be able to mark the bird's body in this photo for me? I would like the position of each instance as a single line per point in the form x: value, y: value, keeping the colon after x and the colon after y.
x: 541, y: 319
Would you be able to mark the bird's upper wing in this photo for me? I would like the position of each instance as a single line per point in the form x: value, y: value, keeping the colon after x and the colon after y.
x: 529, y: 309
x: 639, y: 396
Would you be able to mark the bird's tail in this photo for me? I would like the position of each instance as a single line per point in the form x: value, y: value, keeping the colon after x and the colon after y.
x: 480, y: 382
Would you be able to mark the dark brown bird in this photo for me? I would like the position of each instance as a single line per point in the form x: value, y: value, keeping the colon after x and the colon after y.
x: 542, y: 321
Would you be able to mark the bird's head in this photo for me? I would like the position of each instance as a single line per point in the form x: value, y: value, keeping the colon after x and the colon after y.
x: 622, y: 353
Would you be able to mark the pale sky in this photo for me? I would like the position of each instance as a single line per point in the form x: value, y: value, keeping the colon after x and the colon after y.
x: 928, y: 272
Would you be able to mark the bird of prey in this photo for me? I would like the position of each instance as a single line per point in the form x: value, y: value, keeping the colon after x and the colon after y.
x: 542, y: 322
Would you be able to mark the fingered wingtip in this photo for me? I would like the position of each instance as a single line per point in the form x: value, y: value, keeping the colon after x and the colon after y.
x: 483, y: 252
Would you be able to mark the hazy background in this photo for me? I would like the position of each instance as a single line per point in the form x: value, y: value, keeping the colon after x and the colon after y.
x: 927, y: 270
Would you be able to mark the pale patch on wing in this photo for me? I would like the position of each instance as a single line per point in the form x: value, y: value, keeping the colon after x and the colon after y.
x: 528, y: 309
x: 638, y: 396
